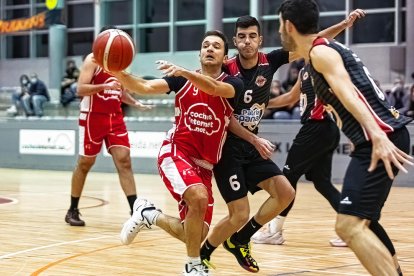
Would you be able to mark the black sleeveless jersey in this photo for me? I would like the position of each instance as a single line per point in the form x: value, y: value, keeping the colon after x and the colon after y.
x: 250, y: 105
x: 311, y: 108
x: 386, y: 116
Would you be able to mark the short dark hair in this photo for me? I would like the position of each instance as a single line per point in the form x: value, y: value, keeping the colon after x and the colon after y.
x: 107, y: 27
x: 246, y: 21
x: 222, y: 36
x: 304, y: 14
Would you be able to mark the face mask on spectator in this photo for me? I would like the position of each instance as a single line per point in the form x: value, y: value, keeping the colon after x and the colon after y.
x: 33, y: 80
x: 24, y: 82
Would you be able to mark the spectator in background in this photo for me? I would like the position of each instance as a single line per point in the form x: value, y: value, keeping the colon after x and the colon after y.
x: 69, y: 83
x: 18, y: 94
x: 38, y: 94
x: 287, y: 112
x: 410, y: 111
x: 293, y: 74
x: 275, y: 91
x: 399, y: 97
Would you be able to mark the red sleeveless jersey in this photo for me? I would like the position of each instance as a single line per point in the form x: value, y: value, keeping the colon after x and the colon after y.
x: 105, y: 101
x: 201, y: 123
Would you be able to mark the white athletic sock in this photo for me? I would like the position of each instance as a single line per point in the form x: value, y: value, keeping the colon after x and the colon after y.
x: 276, y: 224
x: 151, y: 215
x: 194, y: 260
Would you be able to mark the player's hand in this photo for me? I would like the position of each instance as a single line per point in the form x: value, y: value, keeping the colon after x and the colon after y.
x: 143, y: 107
x: 264, y: 147
x: 113, y: 85
x: 170, y: 69
x: 383, y: 149
x: 354, y: 15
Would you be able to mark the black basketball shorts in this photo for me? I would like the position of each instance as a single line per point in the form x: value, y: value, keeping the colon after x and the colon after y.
x: 241, y: 168
x: 364, y: 193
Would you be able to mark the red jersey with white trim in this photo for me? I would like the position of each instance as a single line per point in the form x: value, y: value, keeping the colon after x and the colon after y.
x: 201, y: 120
x: 105, y: 101
x: 386, y: 116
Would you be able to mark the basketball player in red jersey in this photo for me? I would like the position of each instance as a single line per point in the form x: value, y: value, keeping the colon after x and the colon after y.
x: 100, y: 120
x: 192, y: 147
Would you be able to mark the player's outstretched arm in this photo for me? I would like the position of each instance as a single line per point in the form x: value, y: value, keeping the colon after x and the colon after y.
x: 131, y: 101
x: 138, y: 85
x: 286, y: 99
x: 205, y: 83
x: 263, y: 146
x: 333, y: 31
x: 329, y: 63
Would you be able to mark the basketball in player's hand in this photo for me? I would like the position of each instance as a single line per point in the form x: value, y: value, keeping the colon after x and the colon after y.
x: 113, y: 50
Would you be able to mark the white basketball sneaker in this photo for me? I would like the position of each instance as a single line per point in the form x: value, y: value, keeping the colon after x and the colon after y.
x: 195, y: 270
x: 338, y: 242
x: 263, y: 237
x: 137, y: 221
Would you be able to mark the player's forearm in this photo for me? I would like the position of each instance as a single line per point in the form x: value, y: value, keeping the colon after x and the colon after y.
x: 236, y: 128
x: 282, y: 100
x: 128, y: 99
x: 132, y: 83
x: 86, y: 89
x: 209, y: 85
x: 333, y: 31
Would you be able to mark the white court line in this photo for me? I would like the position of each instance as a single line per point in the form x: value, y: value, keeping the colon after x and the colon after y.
x: 48, y: 246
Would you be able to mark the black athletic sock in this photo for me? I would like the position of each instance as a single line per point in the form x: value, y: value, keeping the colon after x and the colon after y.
x: 206, y: 250
x: 243, y: 235
x: 74, y: 202
x: 131, y: 200
x: 379, y: 231
x: 399, y: 271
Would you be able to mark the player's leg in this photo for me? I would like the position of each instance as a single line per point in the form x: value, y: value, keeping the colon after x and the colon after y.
x: 79, y: 174
x: 90, y: 143
x: 363, y: 196
x: 118, y: 146
x: 281, y: 194
x: 306, y: 150
x: 380, y: 232
x: 320, y: 172
x: 230, y: 179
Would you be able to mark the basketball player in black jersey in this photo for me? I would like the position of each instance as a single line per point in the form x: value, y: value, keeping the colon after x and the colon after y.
x: 242, y: 169
x: 308, y: 156
x: 376, y: 129
x: 311, y: 154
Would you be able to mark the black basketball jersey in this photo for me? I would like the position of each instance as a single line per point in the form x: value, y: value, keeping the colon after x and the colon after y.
x: 311, y: 108
x: 386, y: 116
x: 249, y: 107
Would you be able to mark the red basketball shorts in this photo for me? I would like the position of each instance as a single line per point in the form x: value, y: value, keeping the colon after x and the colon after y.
x: 179, y: 172
x: 94, y: 128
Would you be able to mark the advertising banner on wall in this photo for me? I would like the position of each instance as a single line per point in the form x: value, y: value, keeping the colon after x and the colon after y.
x: 38, y: 21
x: 145, y: 144
x: 47, y: 142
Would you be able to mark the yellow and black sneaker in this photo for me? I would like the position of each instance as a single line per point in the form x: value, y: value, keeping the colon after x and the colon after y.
x: 207, y: 265
x: 242, y: 254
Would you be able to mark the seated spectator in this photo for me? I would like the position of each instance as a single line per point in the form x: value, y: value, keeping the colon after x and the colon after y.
x: 18, y: 94
x: 410, y: 111
x: 37, y: 96
x: 292, y: 76
x: 288, y: 112
x: 69, y: 83
x: 399, y: 96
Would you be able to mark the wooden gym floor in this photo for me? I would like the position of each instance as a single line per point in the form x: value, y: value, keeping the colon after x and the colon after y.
x: 35, y: 240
